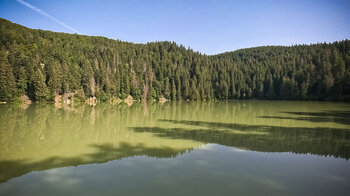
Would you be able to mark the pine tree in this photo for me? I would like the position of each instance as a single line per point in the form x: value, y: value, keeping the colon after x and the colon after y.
x: 41, y: 91
x: 167, y: 88
x: 178, y: 85
x: 173, y: 89
x: 7, y: 79
x: 22, y: 81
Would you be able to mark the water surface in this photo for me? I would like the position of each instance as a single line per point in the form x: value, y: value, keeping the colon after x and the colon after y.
x: 188, y: 148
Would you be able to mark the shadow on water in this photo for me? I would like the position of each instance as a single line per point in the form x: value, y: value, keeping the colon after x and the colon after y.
x: 104, y: 153
x: 341, y: 117
x: 320, y: 141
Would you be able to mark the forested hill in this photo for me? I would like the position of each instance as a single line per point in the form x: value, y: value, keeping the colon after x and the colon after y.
x: 42, y: 64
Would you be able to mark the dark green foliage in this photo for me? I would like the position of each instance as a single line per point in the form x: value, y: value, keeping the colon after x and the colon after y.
x: 41, y: 91
x: 173, y: 89
x: 42, y: 64
x: 79, y: 95
x: 7, y: 80
x: 166, y: 91
x: 22, y: 81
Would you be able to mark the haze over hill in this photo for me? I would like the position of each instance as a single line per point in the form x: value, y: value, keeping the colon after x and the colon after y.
x: 44, y: 64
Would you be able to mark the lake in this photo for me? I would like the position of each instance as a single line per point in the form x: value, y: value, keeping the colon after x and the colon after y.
x: 187, y: 148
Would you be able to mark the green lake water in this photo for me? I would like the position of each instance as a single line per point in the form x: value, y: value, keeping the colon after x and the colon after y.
x: 187, y: 148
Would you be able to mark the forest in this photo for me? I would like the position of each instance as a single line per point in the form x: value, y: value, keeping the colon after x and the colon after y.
x: 43, y: 64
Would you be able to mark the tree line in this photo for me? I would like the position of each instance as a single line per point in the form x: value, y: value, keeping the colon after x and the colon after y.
x: 43, y: 64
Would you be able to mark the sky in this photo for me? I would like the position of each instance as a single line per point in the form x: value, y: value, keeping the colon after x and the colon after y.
x: 207, y: 26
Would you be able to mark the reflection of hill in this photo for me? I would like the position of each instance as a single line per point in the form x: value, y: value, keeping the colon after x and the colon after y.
x: 42, y: 137
x: 321, y: 141
x: 104, y: 153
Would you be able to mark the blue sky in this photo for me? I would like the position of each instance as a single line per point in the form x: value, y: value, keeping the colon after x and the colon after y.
x: 208, y: 26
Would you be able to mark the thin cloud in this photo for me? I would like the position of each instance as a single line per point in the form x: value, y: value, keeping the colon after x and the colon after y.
x: 47, y: 15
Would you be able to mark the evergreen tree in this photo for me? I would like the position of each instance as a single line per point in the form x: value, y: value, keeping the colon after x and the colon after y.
x: 173, y: 89
x: 22, y: 81
x: 41, y: 91
x: 111, y: 68
x: 7, y: 79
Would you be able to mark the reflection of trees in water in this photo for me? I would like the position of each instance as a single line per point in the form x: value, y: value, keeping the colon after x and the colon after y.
x: 44, y: 127
x: 46, y: 130
x: 321, y: 141
x: 341, y: 117
x: 104, y: 153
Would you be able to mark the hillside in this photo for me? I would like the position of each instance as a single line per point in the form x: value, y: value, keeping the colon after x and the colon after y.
x: 43, y: 64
